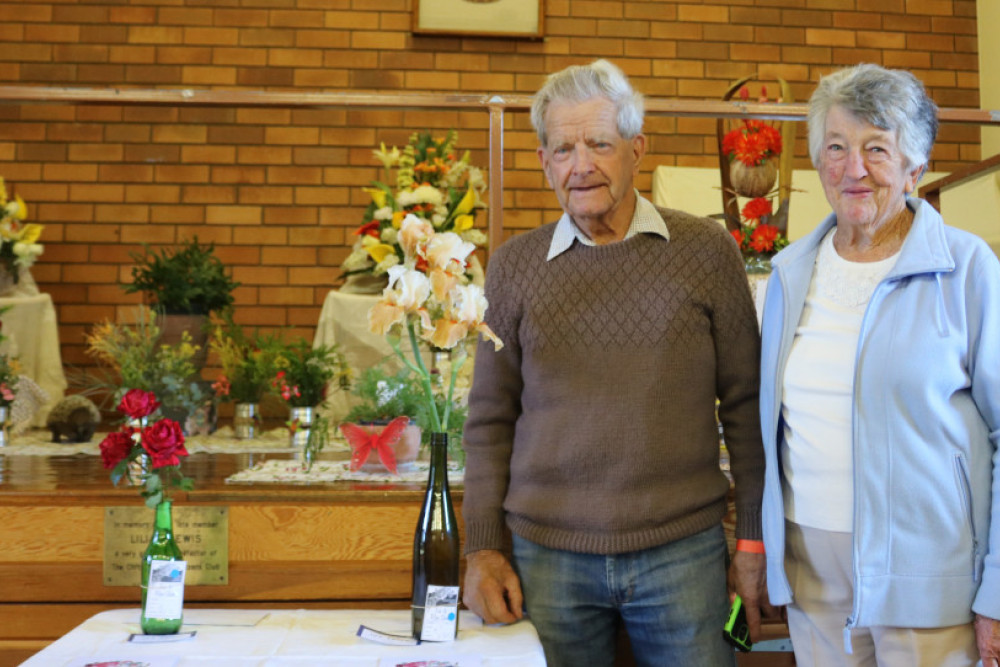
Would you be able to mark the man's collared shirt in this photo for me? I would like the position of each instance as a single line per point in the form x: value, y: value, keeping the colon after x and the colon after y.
x: 645, y: 220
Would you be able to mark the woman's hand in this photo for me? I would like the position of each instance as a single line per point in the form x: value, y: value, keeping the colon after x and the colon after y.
x: 988, y: 640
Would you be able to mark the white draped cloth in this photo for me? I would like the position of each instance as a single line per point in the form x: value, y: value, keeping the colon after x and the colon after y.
x: 33, y: 337
x: 287, y: 638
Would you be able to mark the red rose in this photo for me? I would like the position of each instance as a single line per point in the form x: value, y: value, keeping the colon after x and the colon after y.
x: 164, y: 442
x: 114, y: 448
x: 137, y: 403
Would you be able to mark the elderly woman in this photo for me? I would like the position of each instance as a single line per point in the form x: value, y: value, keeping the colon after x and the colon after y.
x: 880, y: 401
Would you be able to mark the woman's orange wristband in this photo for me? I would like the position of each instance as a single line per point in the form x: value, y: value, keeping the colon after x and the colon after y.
x: 750, y: 546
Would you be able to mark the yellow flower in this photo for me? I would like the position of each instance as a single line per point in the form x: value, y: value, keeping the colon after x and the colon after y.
x: 463, y: 223
x: 388, y: 158
x: 379, y: 251
x: 466, y: 204
x: 31, y: 231
x: 21, y: 209
x: 378, y: 196
x: 397, y: 218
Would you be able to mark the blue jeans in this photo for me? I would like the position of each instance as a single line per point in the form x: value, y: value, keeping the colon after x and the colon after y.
x: 671, y: 600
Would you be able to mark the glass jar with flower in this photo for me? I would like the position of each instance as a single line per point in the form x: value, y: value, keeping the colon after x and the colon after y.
x: 249, y: 364
x: 430, y: 293
x: 427, y: 180
x: 19, y: 247
x: 134, y: 356
x: 155, y: 449
x: 305, y: 374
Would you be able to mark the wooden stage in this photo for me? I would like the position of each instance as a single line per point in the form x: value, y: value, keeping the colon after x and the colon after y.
x: 338, y: 545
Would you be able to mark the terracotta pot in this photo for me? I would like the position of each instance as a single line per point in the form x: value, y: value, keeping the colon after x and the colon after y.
x: 406, y: 449
x: 754, y: 181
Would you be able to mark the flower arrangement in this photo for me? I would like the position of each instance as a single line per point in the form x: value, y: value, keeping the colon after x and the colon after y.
x: 757, y: 238
x: 430, y: 292
x: 137, y: 359
x: 19, y: 247
x: 249, y: 363
x: 752, y: 148
x: 388, y: 403
x: 430, y: 183
x: 307, y: 371
x: 162, y: 442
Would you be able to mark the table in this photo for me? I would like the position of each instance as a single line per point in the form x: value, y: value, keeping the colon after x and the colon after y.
x: 279, y: 638
x: 33, y: 336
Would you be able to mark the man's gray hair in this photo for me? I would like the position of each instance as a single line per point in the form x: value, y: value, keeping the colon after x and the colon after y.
x: 886, y: 98
x: 579, y: 83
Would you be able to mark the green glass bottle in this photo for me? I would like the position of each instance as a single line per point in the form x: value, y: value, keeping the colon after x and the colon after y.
x: 435, y: 554
x: 162, y: 611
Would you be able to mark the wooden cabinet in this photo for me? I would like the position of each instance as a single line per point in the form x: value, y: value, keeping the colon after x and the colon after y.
x: 325, y: 546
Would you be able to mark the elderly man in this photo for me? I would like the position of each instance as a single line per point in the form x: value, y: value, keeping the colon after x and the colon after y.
x: 593, y: 494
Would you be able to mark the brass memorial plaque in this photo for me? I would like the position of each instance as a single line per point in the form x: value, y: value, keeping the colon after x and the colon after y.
x: 201, y: 533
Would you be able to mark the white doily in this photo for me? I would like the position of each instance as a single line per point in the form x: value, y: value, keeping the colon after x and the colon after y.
x: 292, y: 472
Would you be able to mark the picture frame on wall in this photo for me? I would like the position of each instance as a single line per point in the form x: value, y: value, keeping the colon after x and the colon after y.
x: 486, y: 18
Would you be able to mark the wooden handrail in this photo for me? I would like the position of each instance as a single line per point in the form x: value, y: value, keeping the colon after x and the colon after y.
x: 932, y: 191
x: 495, y: 105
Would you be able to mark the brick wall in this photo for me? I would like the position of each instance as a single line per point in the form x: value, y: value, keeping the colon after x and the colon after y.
x: 279, y: 190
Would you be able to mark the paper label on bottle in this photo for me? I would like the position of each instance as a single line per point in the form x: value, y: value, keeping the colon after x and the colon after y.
x: 440, y: 614
x: 165, y: 594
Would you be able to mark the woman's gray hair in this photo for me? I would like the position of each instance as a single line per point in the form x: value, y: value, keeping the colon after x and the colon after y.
x: 579, y: 83
x: 889, y: 99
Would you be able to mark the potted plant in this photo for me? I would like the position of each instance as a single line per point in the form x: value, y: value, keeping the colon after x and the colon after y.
x: 383, y: 428
x: 306, y: 373
x: 185, y: 285
x: 136, y: 357
x: 249, y: 365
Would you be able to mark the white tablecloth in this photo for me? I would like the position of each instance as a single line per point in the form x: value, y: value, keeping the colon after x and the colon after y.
x: 33, y: 335
x: 286, y: 638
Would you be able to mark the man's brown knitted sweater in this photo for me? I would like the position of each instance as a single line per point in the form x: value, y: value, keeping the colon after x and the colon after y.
x: 594, y: 428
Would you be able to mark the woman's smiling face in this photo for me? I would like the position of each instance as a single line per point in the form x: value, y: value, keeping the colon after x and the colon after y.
x: 864, y: 173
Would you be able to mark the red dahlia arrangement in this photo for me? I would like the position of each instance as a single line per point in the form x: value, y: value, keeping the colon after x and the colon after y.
x: 136, y: 443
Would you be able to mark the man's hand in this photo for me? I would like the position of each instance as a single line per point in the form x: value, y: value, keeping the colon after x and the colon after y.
x: 492, y: 589
x: 988, y: 640
x: 748, y: 578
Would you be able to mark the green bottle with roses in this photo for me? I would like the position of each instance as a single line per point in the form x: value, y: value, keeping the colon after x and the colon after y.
x: 156, y: 445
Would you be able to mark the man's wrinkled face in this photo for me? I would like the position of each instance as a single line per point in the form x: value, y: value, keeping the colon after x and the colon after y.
x: 587, y: 162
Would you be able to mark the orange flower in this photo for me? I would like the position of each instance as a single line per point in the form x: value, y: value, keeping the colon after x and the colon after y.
x: 763, y: 238
x: 755, y: 209
x: 752, y: 143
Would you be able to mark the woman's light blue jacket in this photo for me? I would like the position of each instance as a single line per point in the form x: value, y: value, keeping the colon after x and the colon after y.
x: 925, y: 419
